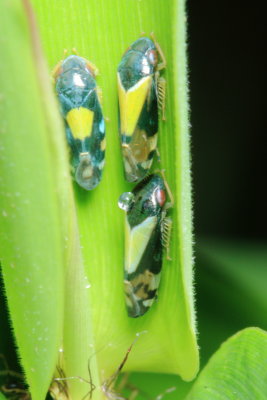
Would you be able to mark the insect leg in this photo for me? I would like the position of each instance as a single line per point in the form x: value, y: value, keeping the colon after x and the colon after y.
x: 74, y: 51
x: 163, y: 63
x: 158, y: 154
x: 93, y: 68
x: 166, y: 226
x: 161, y: 91
x: 108, y: 383
x: 57, y: 70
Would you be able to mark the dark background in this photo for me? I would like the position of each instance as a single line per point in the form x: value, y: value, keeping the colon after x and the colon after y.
x: 226, y: 49
x: 228, y: 115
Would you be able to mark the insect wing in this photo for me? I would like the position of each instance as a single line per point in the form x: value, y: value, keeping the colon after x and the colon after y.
x: 138, y: 118
x: 143, y: 246
x: 142, y: 266
x: 85, y: 127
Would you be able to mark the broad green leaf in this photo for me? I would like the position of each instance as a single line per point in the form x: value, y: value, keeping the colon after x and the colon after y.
x: 30, y: 244
x: 100, y: 31
x: 34, y: 196
x: 236, y: 371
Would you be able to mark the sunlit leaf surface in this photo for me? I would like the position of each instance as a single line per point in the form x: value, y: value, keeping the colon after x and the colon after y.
x: 101, y: 31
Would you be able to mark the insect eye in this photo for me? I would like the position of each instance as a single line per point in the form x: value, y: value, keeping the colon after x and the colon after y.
x: 91, y: 69
x: 152, y: 57
x: 161, y: 197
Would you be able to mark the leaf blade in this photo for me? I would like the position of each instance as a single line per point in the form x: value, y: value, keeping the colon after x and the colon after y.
x: 101, y: 31
x: 31, y: 232
x: 235, y: 370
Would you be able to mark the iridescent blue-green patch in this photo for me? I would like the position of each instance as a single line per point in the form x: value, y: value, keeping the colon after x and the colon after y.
x: 147, y: 231
x: 84, y: 123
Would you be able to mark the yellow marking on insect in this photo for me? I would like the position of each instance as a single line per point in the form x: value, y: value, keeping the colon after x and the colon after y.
x: 144, y: 283
x: 131, y: 103
x: 136, y: 240
x: 80, y: 121
x: 103, y: 144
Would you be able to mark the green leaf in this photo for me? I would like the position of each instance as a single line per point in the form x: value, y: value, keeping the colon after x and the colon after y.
x: 232, y: 290
x: 100, y: 31
x: 244, y: 263
x: 236, y: 371
x: 34, y: 165
x: 171, y: 387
